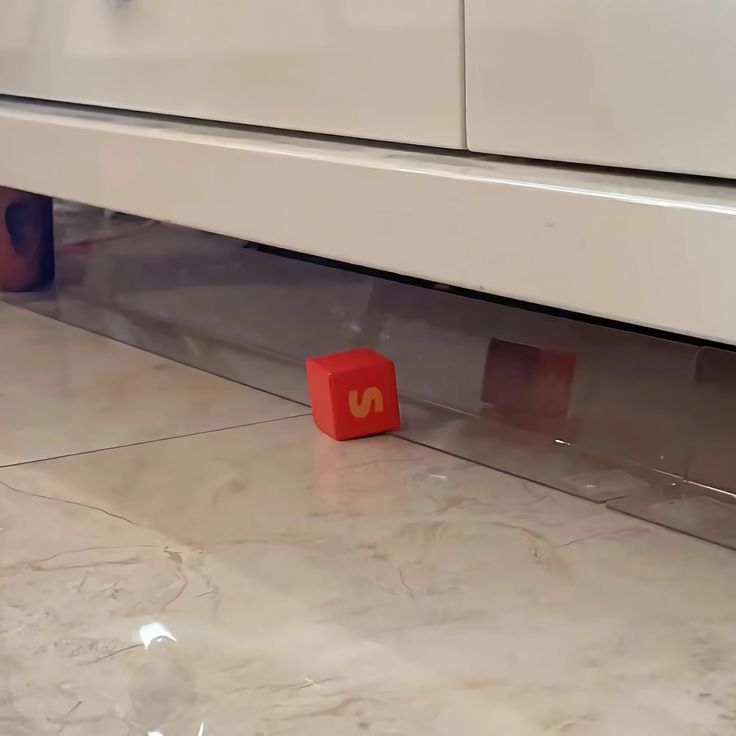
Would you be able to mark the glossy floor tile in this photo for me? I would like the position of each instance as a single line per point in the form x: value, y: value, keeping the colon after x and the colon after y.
x: 267, y: 580
x: 687, y: 507
x: 64, y: 390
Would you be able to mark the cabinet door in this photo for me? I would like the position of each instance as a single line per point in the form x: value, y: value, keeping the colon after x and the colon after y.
x: 385, y: 69
x: 638, y: 83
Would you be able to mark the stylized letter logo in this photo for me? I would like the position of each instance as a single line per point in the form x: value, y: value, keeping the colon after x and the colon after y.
x: 371, y: 401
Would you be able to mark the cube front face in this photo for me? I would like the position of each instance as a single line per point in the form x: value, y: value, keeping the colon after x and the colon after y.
x: 353, y: 394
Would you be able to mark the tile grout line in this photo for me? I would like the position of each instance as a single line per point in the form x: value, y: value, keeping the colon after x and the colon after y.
x: 151, y: 441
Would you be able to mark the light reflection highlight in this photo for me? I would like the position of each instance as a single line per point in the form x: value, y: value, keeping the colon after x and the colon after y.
x: 148, y: 633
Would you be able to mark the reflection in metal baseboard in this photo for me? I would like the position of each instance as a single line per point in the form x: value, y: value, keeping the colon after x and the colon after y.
x: 624, y: 424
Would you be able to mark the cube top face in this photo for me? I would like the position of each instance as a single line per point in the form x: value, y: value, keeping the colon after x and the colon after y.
x: 350, y: 360
x: 353, y: 394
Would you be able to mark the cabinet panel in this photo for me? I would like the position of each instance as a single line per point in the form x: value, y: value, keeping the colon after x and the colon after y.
x: 636, y: 83
x: 385, y: 69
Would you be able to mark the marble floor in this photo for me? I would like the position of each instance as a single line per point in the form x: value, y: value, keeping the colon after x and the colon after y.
x: 185, y: 556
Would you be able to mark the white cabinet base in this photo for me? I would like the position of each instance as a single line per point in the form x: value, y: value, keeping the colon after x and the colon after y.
x: 641, y: 250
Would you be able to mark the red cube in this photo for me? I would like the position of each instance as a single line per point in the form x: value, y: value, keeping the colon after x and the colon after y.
x: 353, y: 394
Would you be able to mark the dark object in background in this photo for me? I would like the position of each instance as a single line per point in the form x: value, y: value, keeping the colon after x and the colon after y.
x: 529, y: 387
x: 26, y: 240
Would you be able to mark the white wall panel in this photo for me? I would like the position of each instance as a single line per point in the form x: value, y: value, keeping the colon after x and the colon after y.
x: 636, y: 83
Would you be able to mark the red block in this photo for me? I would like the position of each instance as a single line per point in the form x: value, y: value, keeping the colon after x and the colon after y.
x: 353, y: 394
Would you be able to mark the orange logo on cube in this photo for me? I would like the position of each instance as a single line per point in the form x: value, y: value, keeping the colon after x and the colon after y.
x: 353, y: 394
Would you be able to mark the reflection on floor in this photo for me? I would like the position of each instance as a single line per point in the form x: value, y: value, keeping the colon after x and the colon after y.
x: 263, y: 579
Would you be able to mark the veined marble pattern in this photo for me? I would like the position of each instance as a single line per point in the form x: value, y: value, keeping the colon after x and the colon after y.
x: 64, y: 390
x: 268, y: 581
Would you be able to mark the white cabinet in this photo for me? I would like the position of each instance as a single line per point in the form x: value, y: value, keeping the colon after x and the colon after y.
x: 636, y: 83
x: 383, y: 69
